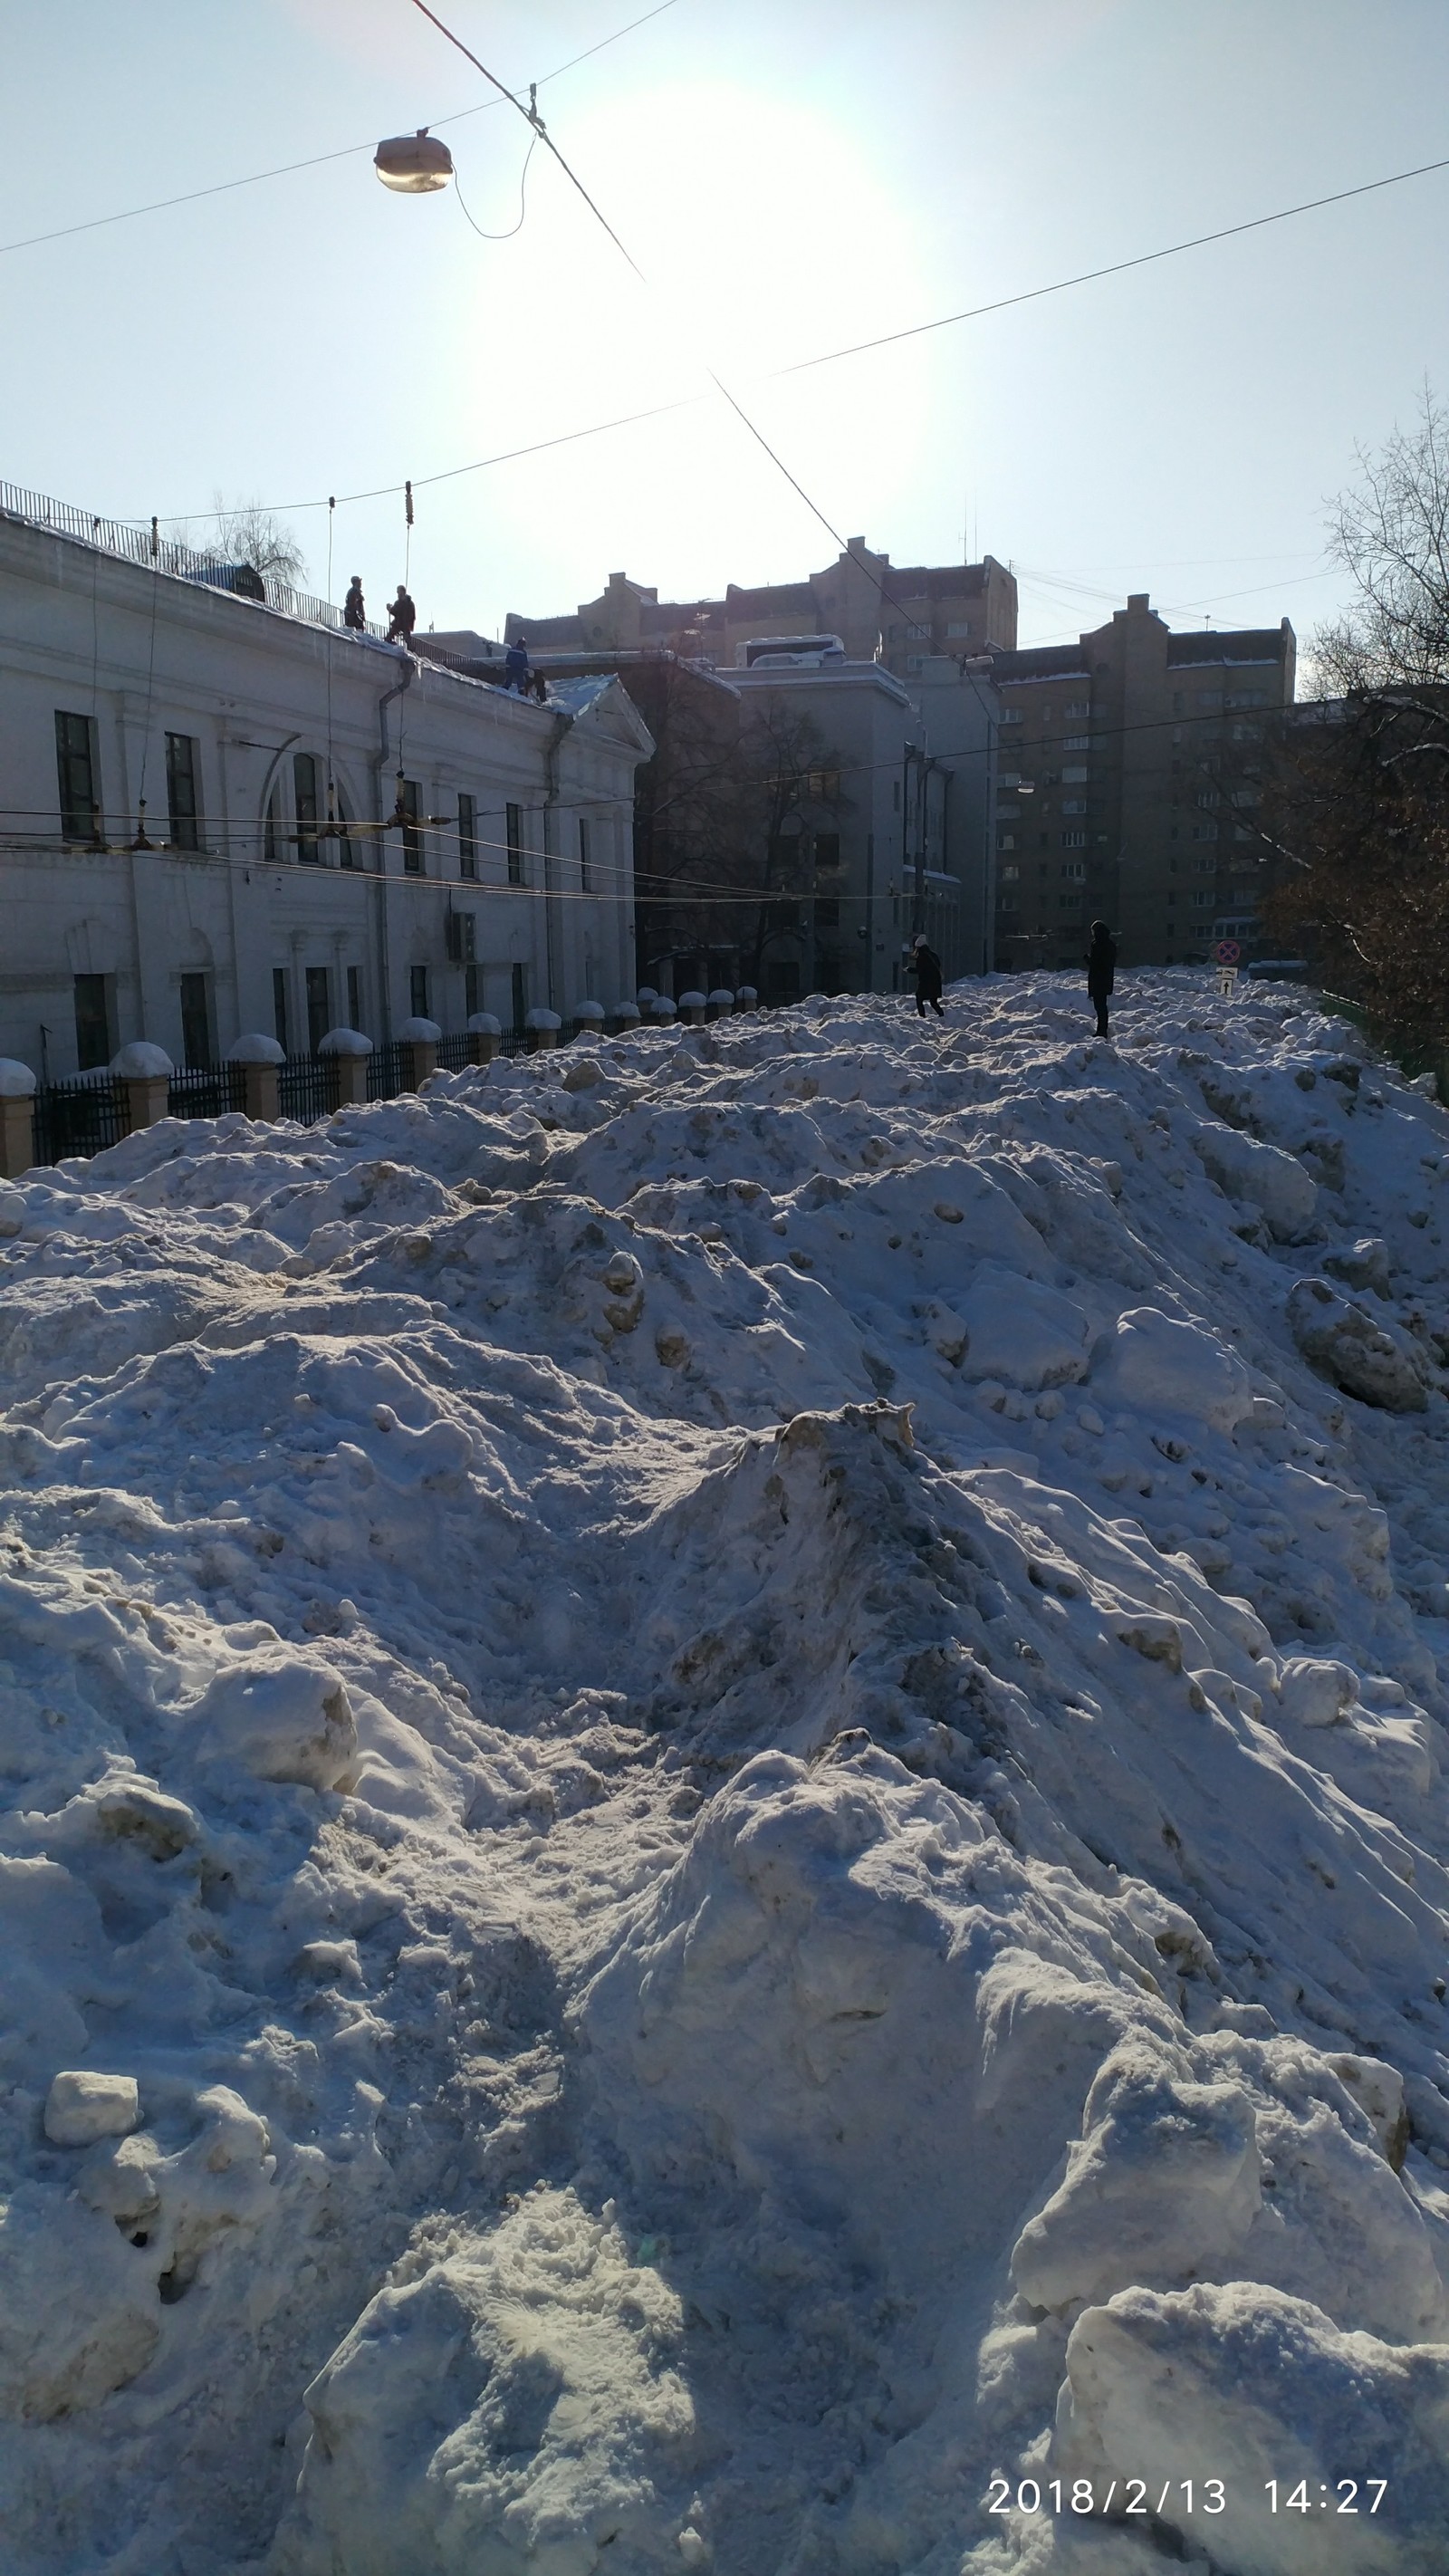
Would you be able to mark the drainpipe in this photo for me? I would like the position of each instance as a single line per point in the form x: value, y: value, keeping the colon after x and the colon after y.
x: 561, y: 725
x: 378, y: 764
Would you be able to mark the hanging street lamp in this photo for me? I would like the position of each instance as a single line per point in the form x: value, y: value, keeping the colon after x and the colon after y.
x: 413, y: 164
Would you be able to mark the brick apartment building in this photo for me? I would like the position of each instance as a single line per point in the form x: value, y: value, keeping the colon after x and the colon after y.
x: 898, y: 614
x: 1129, y: 780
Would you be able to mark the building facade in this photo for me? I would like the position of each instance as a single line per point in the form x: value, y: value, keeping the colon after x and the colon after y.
x: 899, y: 614
x: 220, y: 817
x: 1129, y: 786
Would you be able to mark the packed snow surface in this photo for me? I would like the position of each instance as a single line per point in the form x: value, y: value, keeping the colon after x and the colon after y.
x: 727, y: 1842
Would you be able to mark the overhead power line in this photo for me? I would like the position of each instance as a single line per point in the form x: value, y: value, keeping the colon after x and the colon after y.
x: 316, y: 161
x: 1113, y: 268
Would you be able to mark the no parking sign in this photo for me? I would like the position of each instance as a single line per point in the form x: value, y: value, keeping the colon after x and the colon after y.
x: 1227, y: 952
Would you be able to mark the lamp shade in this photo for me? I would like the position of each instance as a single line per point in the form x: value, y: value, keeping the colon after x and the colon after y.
x: 414, y: 164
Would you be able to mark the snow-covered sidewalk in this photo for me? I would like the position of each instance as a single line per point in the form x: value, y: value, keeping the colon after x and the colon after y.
x: 725, y: 1840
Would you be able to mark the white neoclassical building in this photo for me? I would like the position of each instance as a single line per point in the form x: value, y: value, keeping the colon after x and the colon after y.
x: 219, y: 814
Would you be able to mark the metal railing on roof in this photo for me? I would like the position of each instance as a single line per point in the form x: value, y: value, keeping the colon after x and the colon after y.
x: 165, y: 554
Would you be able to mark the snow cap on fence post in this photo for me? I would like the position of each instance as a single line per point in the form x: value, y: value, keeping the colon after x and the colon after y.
x: 421, y: 1038
x: 746, y: 998
x: 588, y: 1019
x: 661, y: 1010
x: 692, y: 1008
x: 259, y: 1057
x: 17, y: 1118
x: 623, y: 1017
x: 349, y: 1050
x: 720, y: 1003
x: 484, y: 1033
x: 542, y: 1028
x: 145, y: 1070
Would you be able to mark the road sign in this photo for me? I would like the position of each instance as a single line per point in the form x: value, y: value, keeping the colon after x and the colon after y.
x: 1227, y: 952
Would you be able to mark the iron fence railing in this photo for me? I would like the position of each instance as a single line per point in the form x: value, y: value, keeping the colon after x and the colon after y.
x: 165, y: 554
x: 386, y: 1072
x: 79, y: 1118
x: 306, y: 1088
x: 453, y: 1053
x: 206, y: 1090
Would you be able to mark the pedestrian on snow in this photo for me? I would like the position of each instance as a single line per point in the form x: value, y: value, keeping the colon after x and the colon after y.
x: 925, y: 965
x: 402, y: 618
x: 353, y: 612
x: 515, y: 665
x: 1101, y: 962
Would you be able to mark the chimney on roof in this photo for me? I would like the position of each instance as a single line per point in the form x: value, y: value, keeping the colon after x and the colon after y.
x: 1138, y: 599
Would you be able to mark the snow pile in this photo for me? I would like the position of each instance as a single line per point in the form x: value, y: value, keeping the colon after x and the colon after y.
x: 726, y: 1833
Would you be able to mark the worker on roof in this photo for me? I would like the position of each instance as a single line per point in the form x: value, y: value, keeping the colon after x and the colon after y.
x: 354, y: 613
x: 402, y: 618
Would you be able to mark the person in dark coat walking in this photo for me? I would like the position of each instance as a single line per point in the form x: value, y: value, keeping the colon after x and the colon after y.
x: 402, y: 618
x: 353, y: 612
x: 925, y: 965
x: 1101, y: 962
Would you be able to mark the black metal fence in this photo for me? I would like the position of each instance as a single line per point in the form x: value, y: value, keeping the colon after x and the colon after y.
x: 386, y: 1072
x: 206, y: 1090
x: 79, y: 1118
x: 306, y: 1088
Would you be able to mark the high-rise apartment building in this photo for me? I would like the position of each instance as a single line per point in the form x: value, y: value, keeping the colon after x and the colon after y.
x: 899, y: 614
x: 1129, y: 782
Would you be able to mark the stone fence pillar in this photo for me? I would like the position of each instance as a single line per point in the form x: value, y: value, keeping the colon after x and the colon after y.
x: 661, y: 1012
x: 420, y: 1040
x: 145, y: 1071
x: 588, y: 1019
x: 541, y: 1029
x: 720, y: 1004
x: 746, y: 999
x: 623, y: 1019
x: 692, y: 1009
x: 485, y: 1035
x: 17, y: 1118
x: 348, y: 1050
x: 259, y: 1058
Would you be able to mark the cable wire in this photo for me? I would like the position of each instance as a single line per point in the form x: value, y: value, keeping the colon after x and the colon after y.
x: 522, y: 203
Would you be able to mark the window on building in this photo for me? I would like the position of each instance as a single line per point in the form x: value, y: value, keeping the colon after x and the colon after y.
x: 827, y: 850
x: 1069, y: 902
x: 306, y: 806
x: 1209, y: 697
x: 467, y: 836
x: 1074, y: 840
x: 1074, y: 868
x: 782, y: 980
x: 1246, y: 697
x: 354, y: 997
x: 584, y: 881
x: 94, y: 1036
x: 1009, y: 875
x: 518, y: 977
x: 1204, y: 831
x: 1208, y: 797
x: 1006, y: 840
x: 418, y: 992
x: 915, y: 661
x: 1076, y: 742
x: 1244, y: 832
x: 412, y: 834
x: 279, y: 1007
x: 827, y: 912
x: 182, y: 803
x: 1078, y: 707
x: 1247, y: 733
x: 1011, y: 715
x: 957, y: 628
x: 76, y: 766
x: 1074, y: 804
x: 195, y: 1020
x: 513, y: 834
x: 270, y: 831
x: 1204, y: 899
x: 472, y: 990
x: 319, y: 1006
x: 1075, y: 774
x: 915, y: 634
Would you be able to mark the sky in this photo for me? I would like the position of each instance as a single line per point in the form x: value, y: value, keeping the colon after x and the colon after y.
x: 790, y: 176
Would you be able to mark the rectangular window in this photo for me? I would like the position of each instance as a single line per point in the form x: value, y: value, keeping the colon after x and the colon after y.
x: 75, y: 760
x: 1204, y: 899
x: 1010, y: 875
x: 1074, y: 840
x: 354, y: 997
x: 958, y: 628
x: 304, y: 790
x: 1068, y: 902
x: 92, y: 1022
x: 1075, y: 775
x: 1077, y: 741
x: 827, y: 912
x: 472, y: 990
x: 1006, y: 840
x: 584, y: 887
x: 513, y: 834
x: 279, y: 1007
x: 412, y: 837
x: 1208, y: 698
x: 1204, y: 831
x: 1246, y: 697
x: 1011, y: 715
x: 319, y: 1006
x: 467, y: 836
x: 917, y: 634
x: 195, y: 1021
x: 519, y: 996
x: 269, y: 831
x: 827, y: 850
x: 181, y: 799
x: 1079, y: 707
x: 1074, y: 868
x: 418, y: 992
x: 1074, y: 804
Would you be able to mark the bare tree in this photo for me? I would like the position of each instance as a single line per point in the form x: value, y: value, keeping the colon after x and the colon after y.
x: 1390, y: 532
x: 246, y: 533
